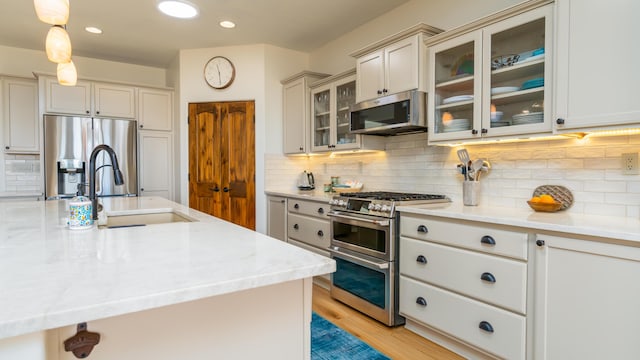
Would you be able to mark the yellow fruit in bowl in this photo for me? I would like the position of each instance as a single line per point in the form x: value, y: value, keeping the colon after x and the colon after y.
x: 535, y: 199
x: 547, y: 199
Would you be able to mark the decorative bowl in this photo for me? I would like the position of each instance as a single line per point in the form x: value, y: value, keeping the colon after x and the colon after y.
x: 545, y: 207
x: 501, y: 61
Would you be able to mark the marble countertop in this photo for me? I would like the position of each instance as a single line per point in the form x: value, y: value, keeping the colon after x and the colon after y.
x: 315, y: 195
x: 51, y: 276
x: 562, y: 221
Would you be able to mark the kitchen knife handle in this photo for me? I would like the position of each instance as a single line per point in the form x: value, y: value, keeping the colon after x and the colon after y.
x: 484, y: 325
x: 421, y: 259
x: 488, y: 240
x: 421, y: 301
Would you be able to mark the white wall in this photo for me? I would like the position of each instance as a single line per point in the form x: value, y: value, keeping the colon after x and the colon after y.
x: 333, y: 57
x: 24, y: 62
x: 259, y: 69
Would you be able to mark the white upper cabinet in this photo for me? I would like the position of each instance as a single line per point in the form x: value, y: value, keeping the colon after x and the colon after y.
x: 597, y: 73
x: 491, y: 79
x: 89, y: 99
x: 156, y: 163
x: 392, y: 65
x: 295, y: 111
x: 20, y: 115
x: 114, y: 101
x: 155, y: 109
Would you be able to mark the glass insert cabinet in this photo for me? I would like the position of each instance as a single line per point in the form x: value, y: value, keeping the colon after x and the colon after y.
x: 492, y: 81
x: 330, y: 115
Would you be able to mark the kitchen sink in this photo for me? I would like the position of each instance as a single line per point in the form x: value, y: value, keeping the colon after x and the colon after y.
x: 144, y: 219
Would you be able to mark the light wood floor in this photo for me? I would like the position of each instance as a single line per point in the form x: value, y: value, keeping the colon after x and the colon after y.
x: 397, y: 343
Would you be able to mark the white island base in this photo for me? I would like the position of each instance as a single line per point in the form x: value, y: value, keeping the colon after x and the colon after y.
x: 269, y: 322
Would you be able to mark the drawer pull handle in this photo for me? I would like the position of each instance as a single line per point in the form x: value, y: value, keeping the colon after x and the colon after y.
x: 421, y: 301
x: 488, y: 240
x: 295, y: 226
x: 488, y: 277
x: 320, y: 211
x: 486, y: 326
x: 296, y: 206
x: 320, y: 233
x: 540, y: 242
x: 421, y: 259
x: 423, y: 229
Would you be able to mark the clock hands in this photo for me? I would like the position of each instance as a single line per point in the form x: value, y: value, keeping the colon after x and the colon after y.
x: 219, y: 77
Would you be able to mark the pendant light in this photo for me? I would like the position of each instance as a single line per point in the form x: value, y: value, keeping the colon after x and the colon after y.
x: 54, y: 12
x: 67, y: 74
x: 58, y: 45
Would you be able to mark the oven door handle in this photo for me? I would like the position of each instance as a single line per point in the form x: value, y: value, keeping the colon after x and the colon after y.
x: 360, y: 261
x: 354, y: 218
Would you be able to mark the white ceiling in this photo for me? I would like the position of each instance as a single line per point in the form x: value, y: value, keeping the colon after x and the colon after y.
x: 136, y: 32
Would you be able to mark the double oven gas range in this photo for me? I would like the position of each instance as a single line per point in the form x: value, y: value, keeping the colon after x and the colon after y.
x: 364, y: 244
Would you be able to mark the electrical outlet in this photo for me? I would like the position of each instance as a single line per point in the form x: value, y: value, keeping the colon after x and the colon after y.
x: 630, y: 164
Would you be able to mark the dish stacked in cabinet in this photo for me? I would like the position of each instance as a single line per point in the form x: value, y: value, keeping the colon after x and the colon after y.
x: 308, y: 226
x: 466, y: 281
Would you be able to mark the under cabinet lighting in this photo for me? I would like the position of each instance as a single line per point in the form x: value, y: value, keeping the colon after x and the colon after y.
x: 178, y: 9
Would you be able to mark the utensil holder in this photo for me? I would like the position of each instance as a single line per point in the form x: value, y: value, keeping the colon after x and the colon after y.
x: 470, y: 193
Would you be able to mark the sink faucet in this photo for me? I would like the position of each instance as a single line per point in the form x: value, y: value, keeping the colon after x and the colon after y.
x: 117, y: 175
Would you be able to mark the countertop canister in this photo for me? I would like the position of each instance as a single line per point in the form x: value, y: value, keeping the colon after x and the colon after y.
x: 80, y: 213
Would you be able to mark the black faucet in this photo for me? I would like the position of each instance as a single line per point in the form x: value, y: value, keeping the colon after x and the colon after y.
x: 117, y: 175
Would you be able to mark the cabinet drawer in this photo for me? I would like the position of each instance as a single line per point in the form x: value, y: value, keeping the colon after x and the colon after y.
x: 475, y: 236
x: 494, y: 279
x: 309, y: 230
x: 311, y: 208
x: 462, y: 317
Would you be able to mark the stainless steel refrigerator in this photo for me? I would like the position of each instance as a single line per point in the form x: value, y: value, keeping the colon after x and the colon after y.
x: 68, y: 142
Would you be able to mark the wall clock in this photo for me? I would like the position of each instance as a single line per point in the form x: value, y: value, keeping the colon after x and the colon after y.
x: 219, y: 72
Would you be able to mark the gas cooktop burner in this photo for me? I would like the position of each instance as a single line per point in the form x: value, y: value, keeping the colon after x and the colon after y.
x: 392, y: 196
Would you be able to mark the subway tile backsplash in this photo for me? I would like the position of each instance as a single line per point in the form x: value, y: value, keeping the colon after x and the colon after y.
x: 22, y: 173
x: 591, y: 168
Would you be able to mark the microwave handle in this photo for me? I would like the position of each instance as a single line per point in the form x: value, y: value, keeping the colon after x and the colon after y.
x: 341, y: 216
x: 359, y: 261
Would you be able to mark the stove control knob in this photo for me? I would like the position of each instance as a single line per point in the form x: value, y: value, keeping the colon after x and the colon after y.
x: 371, y: 206
x: 333, y: 202
x: 386, y: 208
x: 378, y: 207
x: 342, y: 202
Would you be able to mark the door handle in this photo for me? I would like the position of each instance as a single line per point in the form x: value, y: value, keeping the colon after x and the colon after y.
x: 215, y: 189
x: 226, y: 189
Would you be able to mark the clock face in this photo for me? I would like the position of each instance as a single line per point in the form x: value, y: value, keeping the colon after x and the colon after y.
x: 219, y: 72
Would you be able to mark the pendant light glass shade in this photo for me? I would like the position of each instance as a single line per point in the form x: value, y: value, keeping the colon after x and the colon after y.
x: 58, y: 45
x: 54, y: 12
x: 67, y: 74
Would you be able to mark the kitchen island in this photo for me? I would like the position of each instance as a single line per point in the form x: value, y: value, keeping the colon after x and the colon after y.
x: 201, y: 289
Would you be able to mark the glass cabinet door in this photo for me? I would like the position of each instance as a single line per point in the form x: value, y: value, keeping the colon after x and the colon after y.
x: 454, y: 94
x: 515, y: 96
x: 345, y: 97
x: 321, y: 119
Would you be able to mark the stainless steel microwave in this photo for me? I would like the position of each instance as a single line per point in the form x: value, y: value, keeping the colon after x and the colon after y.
x: 390, y: 115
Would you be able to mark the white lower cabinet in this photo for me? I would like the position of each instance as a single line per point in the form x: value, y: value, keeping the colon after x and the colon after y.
x: 277, y: 217
x: 155, y: 165
x: 468, y: 283
x: 587, y: 299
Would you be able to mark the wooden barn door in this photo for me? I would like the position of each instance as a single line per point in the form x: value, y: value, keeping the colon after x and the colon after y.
x: 222, y: 160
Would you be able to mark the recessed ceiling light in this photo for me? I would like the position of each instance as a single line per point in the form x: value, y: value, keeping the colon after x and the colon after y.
x: 179, y: 9
x: 227, y: 24
x: 93, y: 30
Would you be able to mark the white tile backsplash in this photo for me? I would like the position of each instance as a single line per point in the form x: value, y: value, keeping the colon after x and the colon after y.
x: 589, y: 167
x: 22, y: 173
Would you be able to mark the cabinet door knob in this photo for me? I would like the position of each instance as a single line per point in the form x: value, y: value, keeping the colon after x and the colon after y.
x: 488, y: 240
x: 141, y: 126
x: 295, y: 226
x: 560, y: 121
x: 379, y: 92
x: 226, y: 189
x: 141, y: 189
x: 98, y: 112
x: 484, y: 325
x: 385, y: 91
x: 421, y: 301
x: 320, y: 211
x: 300, y: 148
x: 320, y: 233
x: 474, y: 132
x: 296, y: 206
x: 540, y: 242
x: 215, y: 189
x: 87, y: 111
x: 421, y: 259
x: 6, y: 147
x: 423, y: 229
x: 488, y: 277
x: 484, y: 131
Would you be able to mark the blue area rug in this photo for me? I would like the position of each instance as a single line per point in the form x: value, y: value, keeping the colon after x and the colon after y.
x: 329, y: 342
